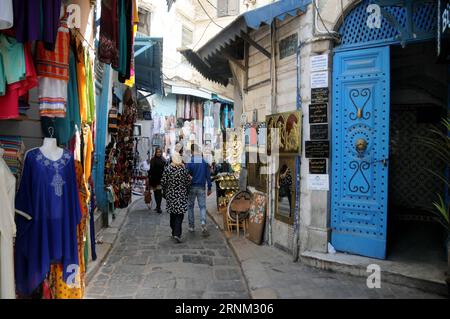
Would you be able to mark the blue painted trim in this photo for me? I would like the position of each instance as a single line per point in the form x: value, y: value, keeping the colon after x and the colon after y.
x: 100, y: 142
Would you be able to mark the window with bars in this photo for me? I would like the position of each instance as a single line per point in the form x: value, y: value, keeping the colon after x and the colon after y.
x: 144, y: 22
x: 187, y: 36
x: 227, y: 8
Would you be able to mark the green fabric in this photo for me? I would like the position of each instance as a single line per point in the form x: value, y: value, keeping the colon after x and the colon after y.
x: 122, y: 39
x: 13, y: 59
x: 89, y: 91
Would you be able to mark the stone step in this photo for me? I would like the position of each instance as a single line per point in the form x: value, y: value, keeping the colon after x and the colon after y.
x: 357, y: 266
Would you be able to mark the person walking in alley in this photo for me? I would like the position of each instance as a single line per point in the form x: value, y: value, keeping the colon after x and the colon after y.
x: 157, y: 165
x: 201, y: 175
x: 175, y: 184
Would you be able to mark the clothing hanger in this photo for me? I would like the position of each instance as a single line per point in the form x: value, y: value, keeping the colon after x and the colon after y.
x: 19, y: 212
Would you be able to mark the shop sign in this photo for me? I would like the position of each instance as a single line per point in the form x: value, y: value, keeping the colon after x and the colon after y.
x: 317, y: 149
x: 319, y: 95
x: 318, y: 113
x: 318, y: 166
x: 318, y: 132
x: 318, y: 182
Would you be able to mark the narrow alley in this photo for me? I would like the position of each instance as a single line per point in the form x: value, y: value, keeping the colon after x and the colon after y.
x: 145, y: 263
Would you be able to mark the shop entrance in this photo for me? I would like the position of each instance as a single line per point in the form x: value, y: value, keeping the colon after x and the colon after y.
x: 418, y: 102
x: 386, y: 101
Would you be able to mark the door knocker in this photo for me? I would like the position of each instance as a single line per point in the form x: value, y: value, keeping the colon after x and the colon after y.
x: 361, y: 146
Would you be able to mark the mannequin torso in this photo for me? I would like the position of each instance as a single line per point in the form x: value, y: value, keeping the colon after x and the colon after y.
x: 51, y: 150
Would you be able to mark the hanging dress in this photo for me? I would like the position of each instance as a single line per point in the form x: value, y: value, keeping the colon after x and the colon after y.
x: 7, y: 230
x: 48, y: 192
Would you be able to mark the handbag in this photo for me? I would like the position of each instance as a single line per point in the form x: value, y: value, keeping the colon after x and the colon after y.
x: 148, y: 197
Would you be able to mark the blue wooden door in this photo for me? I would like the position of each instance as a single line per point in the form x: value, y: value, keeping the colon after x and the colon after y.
x: 360, y: 150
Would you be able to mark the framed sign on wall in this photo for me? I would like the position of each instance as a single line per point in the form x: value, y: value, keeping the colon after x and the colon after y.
x: 288, y: 128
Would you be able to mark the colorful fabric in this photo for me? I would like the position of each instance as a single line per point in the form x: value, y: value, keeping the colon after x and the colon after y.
x: 9, y: 103
x: 48, y: 193
x: 81, y: 76
x: 65, y: 126
x: 55, y: 64
x: 13, y: 58
x: 108, y: 50
x: 13, y: 152
x: 52, y: 97
x: 37, y: 20
x: 89, y: 91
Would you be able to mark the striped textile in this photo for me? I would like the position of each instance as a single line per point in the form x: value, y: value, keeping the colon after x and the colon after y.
x: 55, y: 64
x: 52, y: 97
x: 14, y: 152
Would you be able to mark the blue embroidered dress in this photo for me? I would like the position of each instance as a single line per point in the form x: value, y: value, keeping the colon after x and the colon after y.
x: 48, y: 192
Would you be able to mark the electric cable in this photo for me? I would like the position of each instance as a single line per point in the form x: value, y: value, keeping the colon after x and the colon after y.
x: 210, y: 18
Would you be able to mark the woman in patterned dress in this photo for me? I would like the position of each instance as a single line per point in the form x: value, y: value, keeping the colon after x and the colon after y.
x: 175, y: 183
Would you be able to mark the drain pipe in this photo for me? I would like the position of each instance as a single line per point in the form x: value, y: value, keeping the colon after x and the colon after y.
x: 296, y: 243
x: 316, y: 31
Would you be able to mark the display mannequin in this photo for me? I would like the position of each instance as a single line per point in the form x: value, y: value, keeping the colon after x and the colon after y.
x: 50, y: 149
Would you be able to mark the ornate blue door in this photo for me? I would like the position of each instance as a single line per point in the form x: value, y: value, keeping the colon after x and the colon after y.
x: 360, y: 151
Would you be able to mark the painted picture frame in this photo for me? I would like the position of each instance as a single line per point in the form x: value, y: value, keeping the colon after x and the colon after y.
x: 285, y: 189
x: 289, y: 125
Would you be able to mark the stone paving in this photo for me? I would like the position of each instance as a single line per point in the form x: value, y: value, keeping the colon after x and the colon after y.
x: 271, y: 273
x: 145, y: 263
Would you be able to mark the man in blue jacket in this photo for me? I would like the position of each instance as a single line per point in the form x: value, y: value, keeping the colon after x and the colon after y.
x: 201, y: 175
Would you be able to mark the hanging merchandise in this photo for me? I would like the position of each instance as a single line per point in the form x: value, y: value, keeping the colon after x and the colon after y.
x: 13, y: 151
x: 64, y: 128
x: 108, y: 50
x: 6, y: 14
x: 7, y: 230
x: 17, y: 75
x: 48, y: 193
x: 52, y: 68
x: 116, y: 35
x: 37, y: 20
x: 119, y: 162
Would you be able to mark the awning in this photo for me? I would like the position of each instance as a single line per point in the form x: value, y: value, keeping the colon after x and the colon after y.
x: 211, y: 59
x: 148, y: 64
x: 253, y: 20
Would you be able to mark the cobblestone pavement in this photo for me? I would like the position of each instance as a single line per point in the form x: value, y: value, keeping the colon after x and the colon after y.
x: 270, y: 273
x: 146, y: 263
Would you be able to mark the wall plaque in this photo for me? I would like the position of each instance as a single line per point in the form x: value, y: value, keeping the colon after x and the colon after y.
x: 319, y: 95
x: 317, y: 149
x: 318, y: 132
x: 288, y: 46
x: 318, y: 166
x: 318, y: 113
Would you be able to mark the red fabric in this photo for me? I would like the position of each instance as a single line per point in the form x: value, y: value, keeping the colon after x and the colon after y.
x: 9, y: 103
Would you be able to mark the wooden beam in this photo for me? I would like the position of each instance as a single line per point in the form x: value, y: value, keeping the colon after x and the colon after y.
x: 246, y: 57
x: 235, y: 61
x: 246, y: 38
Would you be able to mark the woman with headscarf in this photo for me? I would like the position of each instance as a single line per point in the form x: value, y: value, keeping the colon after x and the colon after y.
x: 175, y: 183
x: 157, y: 165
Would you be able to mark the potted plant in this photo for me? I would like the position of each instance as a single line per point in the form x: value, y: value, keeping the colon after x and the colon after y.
x: 439, y: 143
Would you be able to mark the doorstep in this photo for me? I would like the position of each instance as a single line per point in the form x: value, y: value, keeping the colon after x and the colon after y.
x: 414, y: 275
x: 105, y: 239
